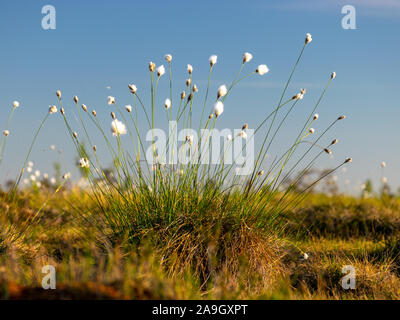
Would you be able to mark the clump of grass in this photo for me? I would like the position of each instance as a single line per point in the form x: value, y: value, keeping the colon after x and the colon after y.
x: 227, y: 231
x: 188, y: 208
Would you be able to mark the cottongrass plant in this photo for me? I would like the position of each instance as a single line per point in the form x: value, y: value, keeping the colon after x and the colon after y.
x: 6, y: 131
x: 11, y: 232
x: 186, y: 209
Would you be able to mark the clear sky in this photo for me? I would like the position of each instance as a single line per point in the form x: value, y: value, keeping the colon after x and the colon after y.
x: 102, y: 43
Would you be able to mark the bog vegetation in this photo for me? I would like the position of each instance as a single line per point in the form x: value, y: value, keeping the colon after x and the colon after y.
x: 147, y: 229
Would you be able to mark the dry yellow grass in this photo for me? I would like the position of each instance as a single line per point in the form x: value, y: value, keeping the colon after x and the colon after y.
x: 253, y: 265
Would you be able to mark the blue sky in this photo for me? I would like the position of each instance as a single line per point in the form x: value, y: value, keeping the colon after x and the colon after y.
x: 109, y: 43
